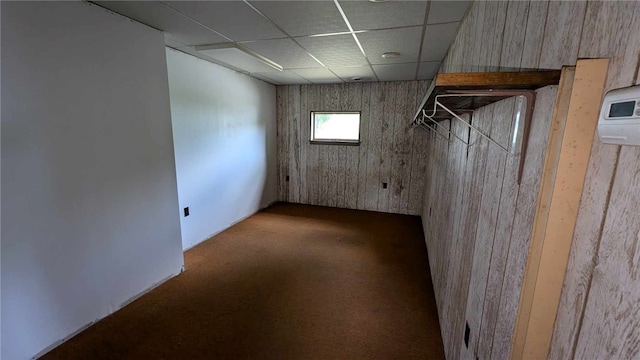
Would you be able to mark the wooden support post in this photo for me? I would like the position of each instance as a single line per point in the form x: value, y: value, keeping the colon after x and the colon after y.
x: 573, y: 127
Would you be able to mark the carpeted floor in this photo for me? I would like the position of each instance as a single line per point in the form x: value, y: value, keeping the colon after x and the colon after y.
x: 292, y: 282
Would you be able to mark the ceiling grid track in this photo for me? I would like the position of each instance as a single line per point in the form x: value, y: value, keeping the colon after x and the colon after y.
x: 355, y: 37
x: 294, y: 40
x: 324, y: 42
x: 424, y: 30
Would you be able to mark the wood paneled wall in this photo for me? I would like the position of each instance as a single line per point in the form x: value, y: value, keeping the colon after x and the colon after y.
x: 352, y: 176
x: 478, y: 219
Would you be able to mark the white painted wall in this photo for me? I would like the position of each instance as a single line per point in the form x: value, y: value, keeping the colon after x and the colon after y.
x: 224, y: 131
x: 90, y: 214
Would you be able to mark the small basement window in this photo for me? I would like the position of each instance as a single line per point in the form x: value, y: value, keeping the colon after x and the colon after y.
x: 340, y: 128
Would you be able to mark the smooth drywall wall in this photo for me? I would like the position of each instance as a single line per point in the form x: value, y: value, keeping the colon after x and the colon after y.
x: 224, y: 130
x: 90, y: 213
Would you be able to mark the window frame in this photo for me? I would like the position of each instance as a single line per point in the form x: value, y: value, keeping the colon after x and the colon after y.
x: 312, y: 129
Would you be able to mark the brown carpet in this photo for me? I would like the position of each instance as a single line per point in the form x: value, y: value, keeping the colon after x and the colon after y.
x: 292, y: 282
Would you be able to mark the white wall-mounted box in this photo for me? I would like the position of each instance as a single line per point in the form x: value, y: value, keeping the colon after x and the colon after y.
x: 619, y: 121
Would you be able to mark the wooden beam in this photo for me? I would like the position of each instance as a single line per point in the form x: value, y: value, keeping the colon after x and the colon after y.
x: 573, y: 128
x: 498, y: 80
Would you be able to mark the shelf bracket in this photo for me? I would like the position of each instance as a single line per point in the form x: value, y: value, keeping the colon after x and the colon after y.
x: 524, y: 124
x: 437, y: 123
x: 521, y: 126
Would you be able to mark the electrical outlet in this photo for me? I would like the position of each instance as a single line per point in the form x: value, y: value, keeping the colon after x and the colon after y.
x: 186, y: 211
x: 384, y: 185
x: 467, y: 333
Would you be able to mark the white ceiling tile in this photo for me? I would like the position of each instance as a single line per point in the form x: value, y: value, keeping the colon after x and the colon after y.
x: 318, y: 75
x: 237, y: 57
x: 177, y: 27
x: 437, y: 39
x: 366, y: 15
x: 395, y: 72
x: 442, y: 11
x: 299, y: 18
x: 406, y: 41
x: 428, y: 70
x: 337, y: 50
x: 349, y: 72
x: 284, y: 52
x: 234, y: 19
x: 283, y: 77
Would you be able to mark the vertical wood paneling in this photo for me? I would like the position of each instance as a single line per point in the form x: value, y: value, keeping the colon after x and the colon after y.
x: 506, y: 181
x: 610, y: 326
x: 353, y: 102
x: 562, y: 33
x: 477, y: 46
x: 537, y: 34
x: 514, y: 35
x: 313, y: 160
x: 400, y: 161
x: 304, y: 143
x: 365, y: 141
x: 352, y: 176
x: 522, y: 223
x: 461, y: 249
x: 376, y: 115
x: 282, y: 134
x: 485, y: 227
x: 606, y: 33
x: 385, y: 156
x: 293, y: 103
x: 534, y: 34
x: 419, y: 145
x: 496, y: 34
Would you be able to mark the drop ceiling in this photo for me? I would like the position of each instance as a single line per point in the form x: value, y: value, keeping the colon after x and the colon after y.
x: 313, y: 41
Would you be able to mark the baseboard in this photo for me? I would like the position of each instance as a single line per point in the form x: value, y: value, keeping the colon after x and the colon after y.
x: 86, y: 326
x: 230, y: 225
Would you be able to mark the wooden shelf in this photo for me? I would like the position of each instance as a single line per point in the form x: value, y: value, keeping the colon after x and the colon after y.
x: 464, y: 92
x: 487, y: 88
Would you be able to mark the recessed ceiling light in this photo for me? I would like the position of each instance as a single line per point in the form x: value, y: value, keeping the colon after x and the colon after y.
x: 378, y: 1
x: 391, y: 55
